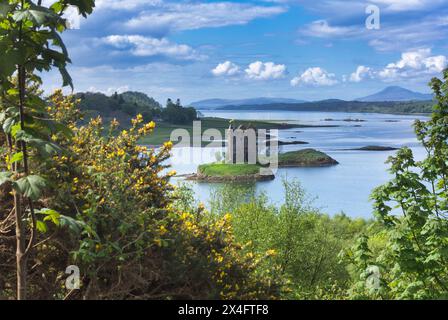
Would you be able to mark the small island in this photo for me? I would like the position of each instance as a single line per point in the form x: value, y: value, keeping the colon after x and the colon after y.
x: 305, y: 158
x: 374, y: 148
x: 228, y: 172
x: 231, y: 172
x: 288, y: 143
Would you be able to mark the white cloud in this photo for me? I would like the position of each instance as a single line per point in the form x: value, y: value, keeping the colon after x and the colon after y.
x: 361, y: 73
x: 322, y: 29
x: 315, y: 77
x: 146, y: 46
x: 265, y: 70
x: 109, y: 91
x: 341, y: 8
x: 414, y: 64
x: 393, y: 36
x: 226, y: 68
x: 190, y: 16
x: 126, y: 4
x: 407, y: 5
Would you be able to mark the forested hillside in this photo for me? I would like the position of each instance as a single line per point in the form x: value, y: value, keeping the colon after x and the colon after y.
x: 344, y: 106
x: 120, y: 106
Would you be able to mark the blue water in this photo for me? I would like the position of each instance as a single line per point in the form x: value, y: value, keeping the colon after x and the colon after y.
x: 342, y: 188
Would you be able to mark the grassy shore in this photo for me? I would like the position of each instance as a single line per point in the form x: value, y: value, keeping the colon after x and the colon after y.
x: 223, y: 169
x: 163, y: 130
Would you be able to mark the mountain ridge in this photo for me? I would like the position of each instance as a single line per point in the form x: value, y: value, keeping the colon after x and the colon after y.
x: 395, y: 93
x: 218, y: 103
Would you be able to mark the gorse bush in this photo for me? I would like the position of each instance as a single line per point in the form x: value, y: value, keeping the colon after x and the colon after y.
x: 90, y: 196
x: 115, y: 215
x: 87, y: 194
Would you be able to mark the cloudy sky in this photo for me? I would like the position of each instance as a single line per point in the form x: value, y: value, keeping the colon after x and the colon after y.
x: 305, y: 49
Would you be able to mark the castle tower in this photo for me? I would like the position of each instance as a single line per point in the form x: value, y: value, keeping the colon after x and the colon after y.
x: 241, y: 145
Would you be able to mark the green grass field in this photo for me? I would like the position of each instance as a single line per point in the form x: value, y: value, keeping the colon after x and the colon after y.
x: 223, y: 169
x: 163, y: 130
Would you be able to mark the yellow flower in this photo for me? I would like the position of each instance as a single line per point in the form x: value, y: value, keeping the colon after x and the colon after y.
x: 120, y: 153
x: 185, y: 216
x: 172, y: 173
x: 168, y: 145
x: 271, y: 252
x: 227, y: 217
x: 151, y: 125
x: 162, y: 230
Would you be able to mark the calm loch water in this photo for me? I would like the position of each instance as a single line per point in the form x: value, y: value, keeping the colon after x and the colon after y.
x: 342, y: 188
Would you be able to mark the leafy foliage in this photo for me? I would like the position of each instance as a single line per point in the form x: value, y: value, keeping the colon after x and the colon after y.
x: 122, y: 106
x: 303, y: 244
x: 116, y: 216
x: 177, y: 114
x: 30, y: 42
x: 413, y: 209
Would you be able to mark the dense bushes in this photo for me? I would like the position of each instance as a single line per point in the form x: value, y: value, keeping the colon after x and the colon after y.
x: 412, y: 209
x: 177, y: 114
x: 121, y: 106
x: 304, y: 243
x: 114, y: 215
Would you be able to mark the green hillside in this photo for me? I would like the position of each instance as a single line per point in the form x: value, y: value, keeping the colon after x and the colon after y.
x: 121, y: 106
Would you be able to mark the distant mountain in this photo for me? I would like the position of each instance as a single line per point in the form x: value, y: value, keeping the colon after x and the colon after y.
x: 396, y: 94
x: 334, y: 105
x: 219, y: 103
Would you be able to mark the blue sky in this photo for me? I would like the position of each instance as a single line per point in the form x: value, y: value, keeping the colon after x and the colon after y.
x: 304, y: 49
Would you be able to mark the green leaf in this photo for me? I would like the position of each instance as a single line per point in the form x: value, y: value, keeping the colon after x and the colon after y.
x: 66, y: 78
x: 4, y: 9
x: 50, y: 215
x: 38, y: 15
x: 8, y: 62
x: 74, y: 225
x: 16, y: 157
x: 45, y: 148
x: 41, y: 226
x: 31, y: 186
x: 57, y: 40
x: 15, y: 128
x: 5, y: 177
x: 8, y: 123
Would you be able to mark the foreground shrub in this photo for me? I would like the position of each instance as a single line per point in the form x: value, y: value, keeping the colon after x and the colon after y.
x: 304, y: 244
x: 114, y: 215
x: 410, y: 248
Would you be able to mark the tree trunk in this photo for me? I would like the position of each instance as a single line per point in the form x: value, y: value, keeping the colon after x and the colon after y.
x: 21, y: 258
